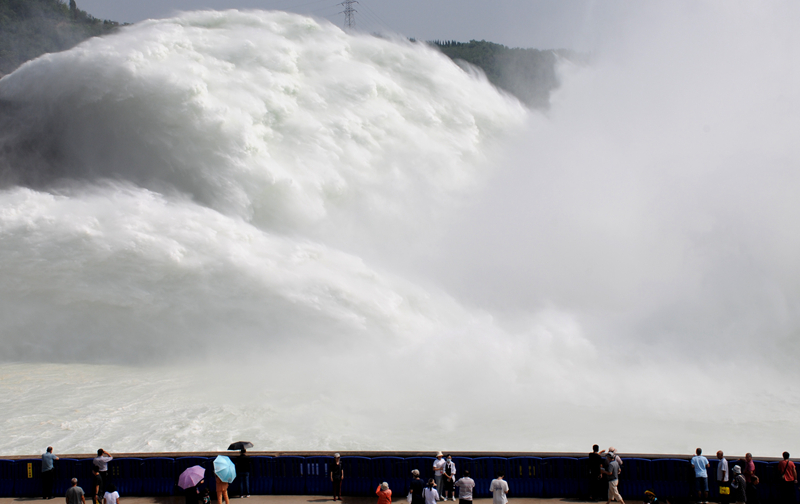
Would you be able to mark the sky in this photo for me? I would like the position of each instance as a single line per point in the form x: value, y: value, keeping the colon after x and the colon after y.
x: 516, y: 23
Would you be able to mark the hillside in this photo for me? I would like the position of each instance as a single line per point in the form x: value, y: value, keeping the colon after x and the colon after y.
x: 528, y: 74
x: 30, y: 28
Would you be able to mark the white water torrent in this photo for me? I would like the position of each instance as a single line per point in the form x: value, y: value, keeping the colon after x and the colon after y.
x: 251, y: 225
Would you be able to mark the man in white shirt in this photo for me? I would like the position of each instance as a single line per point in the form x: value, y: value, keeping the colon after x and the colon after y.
x: 438, y: 469
x: 465, y: 486
x: 499, y: 489
x: 723, y: 476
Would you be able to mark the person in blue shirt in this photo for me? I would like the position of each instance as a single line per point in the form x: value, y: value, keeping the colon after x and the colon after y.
x: 701, y: 465
x: 48, y: 473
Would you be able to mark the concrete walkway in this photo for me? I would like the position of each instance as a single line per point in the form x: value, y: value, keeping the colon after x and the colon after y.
x: 280, y: 499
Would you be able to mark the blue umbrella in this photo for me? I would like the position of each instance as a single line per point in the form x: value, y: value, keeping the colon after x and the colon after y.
x: 224, y: 469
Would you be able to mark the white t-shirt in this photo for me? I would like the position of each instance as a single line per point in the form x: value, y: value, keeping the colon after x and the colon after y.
x: 438, y: 467
x: 722, y: 466
x: 111, y: 498
x: 431, y: 495
x: 102, y: 462
x: 499, y: 488
x: 465, y: 486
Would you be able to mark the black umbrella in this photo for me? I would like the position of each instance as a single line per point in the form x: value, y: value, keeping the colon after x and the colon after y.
x: 240, y: 445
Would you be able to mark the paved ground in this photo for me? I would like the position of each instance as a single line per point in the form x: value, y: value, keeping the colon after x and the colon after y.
x: 290, y: 499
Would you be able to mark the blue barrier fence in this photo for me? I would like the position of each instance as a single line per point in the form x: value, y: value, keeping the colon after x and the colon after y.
x: 561, y: 477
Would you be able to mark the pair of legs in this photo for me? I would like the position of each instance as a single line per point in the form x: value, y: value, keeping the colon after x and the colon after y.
x: 438, y: 481
x: 702, y: 489
x: 337, y: 489
x: 222, y: 492
x: 613, y: 492
x: 244, y: 485
x: 448, y: 489
x: 48, y: 479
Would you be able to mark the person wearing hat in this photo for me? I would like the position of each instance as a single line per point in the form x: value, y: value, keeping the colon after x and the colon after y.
x: 738, y: 486
x: 384, y: 494
x: 337, y: 475
x: 612, y: 474
x: 438, y: 469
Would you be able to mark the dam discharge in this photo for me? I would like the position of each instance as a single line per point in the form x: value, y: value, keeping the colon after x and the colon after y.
x: 253, y: 225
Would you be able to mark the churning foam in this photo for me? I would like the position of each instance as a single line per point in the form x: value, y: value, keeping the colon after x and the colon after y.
x: 252, y: 225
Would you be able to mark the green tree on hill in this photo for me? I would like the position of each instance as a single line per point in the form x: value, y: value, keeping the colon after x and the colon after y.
x: 30, y: 28
x: 528, y: 74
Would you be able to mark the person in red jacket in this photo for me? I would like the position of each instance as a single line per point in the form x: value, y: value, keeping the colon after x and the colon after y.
x: 384, y: 494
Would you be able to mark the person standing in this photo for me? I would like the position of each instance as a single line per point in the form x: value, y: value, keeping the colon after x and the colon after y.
x: 449, y: 479
x: 337, y: 475
x: 613, y: 451
x: 612, y: 475
x: 738, y: 486
x: 97, y: 483
x: 111, y: 496
x: 192, y: 494
x: 787, y: 480
x: 465, y: 486
x: 701, y: 465
x: 74, y: 494
x: 243, y: 473
x: 750, y: 478
x: 438, y: 469
x: 222, y: 491
x: 384, y: 494
x: 430, y: 492
x: 101, y: 461
x: 417, y: 488
x: 595, y: 476
x: 499, y: 489
x: 48, y: 473
x: 723, y: 475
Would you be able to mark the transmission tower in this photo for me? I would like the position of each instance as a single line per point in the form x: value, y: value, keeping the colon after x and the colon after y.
x: 349, y: 18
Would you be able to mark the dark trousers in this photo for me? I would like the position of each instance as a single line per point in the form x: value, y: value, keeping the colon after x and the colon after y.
x: 752, y: 494
x: 787, y: 491
x: 337, y: 488
x: 724, y: 499
x: 244, y: 483
x: 48, y: 479
x: 598, y: 488
x: 104, y: 484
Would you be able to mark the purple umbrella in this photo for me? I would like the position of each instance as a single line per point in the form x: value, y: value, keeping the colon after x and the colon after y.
x: 191, y: 477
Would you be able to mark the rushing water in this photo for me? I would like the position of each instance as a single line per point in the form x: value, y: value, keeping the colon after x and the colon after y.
x: 251, y: 225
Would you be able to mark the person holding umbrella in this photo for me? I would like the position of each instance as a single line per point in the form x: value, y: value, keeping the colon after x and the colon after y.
x: 190, y: 480
x: 192, y: 494
x: 243, y: 470
x: 225, y: 473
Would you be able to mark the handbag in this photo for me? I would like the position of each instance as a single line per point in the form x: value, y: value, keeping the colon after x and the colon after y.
x: 724, y: 490
x: 408, y: 498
